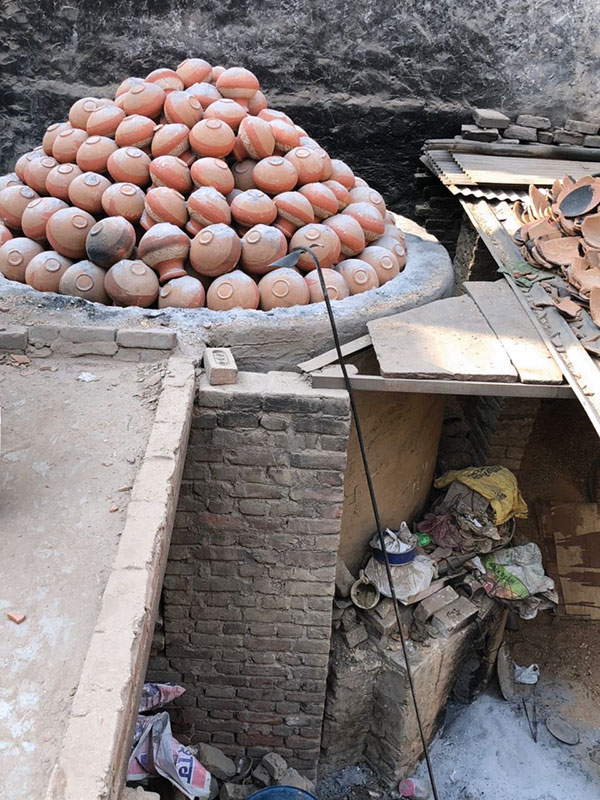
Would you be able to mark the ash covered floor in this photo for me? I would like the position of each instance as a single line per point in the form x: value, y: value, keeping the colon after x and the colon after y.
x: 69, y: 450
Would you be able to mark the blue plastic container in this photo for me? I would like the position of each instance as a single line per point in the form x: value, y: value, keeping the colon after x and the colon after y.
x: 282, y: 793
x: 395, y: 558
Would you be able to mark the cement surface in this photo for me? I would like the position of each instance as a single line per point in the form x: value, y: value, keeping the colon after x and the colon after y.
x: 69, y: 451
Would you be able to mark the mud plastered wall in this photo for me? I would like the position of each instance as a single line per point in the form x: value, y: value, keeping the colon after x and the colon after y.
x: 369, y: 80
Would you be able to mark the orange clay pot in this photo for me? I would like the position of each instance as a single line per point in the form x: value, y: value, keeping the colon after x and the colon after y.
x: 283, y: 288
x: 51, y: 133
x: 182, y: 292
x: 368, y: 217
x: 67, y: 143
x: 45, y: 270
x: 36, y: 216
x: 170, y: 140
x: 206, y: 93
x: 36, y: 171
x: 349, y: 232
x: 60, y: 178
x: 167, y: 79
x: 86, y: 192
x: 104, y: 121
x: 94, y: 153
x: 234, y: 290
x: 323, y: 201
x: 253, y: 207
x: 335, y: 284
x: 227, y: 111
x: 86, y: 280
x: 110, y: 240
x: 183, y: 108
x: 212, y: 137
x: 194, y: 70
x: 362, y: 194
x: 342, y: 173
x: 323, y: 240
x: 261, y: 246
x: 257, y: 137
x: 135, y: 131
x: 124, y: 200
x: 243, y: 174
x: 342, y: 194
x: 295, y: 208
x: 359, y: 275
x: 131, y: 283
x: 13, y: 202
x: 67, y: 231
x: 215, y: 250
x: 308, y: 163
x: 146, y: 99
x: 15, y: 255
x: 275, y: 175
x: 207, y: 206
x: 172, y: 172
x: 164, y: 205
x: 165, y: 248
x: 212, y: 172
x: 130, y: 165
x: 238, y: 84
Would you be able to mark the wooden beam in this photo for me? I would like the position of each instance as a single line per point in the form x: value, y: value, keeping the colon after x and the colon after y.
x: 572, y: 153
x: 331, y: 355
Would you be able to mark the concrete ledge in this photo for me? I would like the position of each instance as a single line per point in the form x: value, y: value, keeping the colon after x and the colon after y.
x: 96, y: 745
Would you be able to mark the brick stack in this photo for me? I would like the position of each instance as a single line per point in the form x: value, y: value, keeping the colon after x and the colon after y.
x: 494, y: 126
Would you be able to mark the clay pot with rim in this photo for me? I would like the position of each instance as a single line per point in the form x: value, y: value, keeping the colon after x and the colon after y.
x: 369, y: 219
x: 258, y: 137
x: 129, y: 165
x: 104, y: 121
x: 218, y: 70
x: 13, y: 202
x: 295, y: 208
x: 309, y: 165
x: 212, y: 137
x: 335, y: 284
x: 84, y: 279
x: 170, y: 140
x: 253, y: 207
x: 206, y: 93
x: 135, y: 131
x: 124, y: 200
x: 36, y: 172
x: 165, y: 248
x: 67, y: 143
x: 86, y: 191
x: 286, y: 136
x: 80, y: 111
x: 15, y: 255
x: 212, y: 172
x: 110, y: 240
x: 23, y: 160
x: 383, y: 261
x: 342, y: 194
x: 183, y: 108
x: 60, y: 179
x: 395, y: 246
x: 131, y: 283
x: 227, y: 111
x: 94, y: 153
x: 207, y: 206
x: 215, y: 250
x: 364, y: 194
x: 233, y: 290
x: 238, y: 84
x: 45, y: 270
x: 36, y: 216
x: 172, y: 172
x: 285, y: 226
x: 349, y: 232
x: 126, y: 85
x: 256, y: 103
x: 146, y: 99
x: 283, y: 288
x: 261, y: 246
x: 11, y: 179
x: 67, y: 231
x: 391, y: 229
x: 167, y: 79
x: 164, y: 205
x: 243, y: 172
x: 275, y: 175
x: 194, y: 70
x: 325, y: 162
x: 342, y: 173
x: 323, y: 240
x: 52, y: 132
x: 182, y: 292
x: 323, y: 201
x: 360, y: 276
x: 272, y: 113
x: 360, y: 182
x: 5, y: 234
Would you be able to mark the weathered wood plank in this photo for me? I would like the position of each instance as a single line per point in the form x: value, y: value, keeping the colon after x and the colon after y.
x: 330, y: 356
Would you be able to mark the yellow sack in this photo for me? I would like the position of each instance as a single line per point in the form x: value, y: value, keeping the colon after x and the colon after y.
x: 497, y: 484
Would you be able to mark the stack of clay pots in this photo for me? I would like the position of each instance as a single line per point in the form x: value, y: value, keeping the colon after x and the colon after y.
x: 183, y: 191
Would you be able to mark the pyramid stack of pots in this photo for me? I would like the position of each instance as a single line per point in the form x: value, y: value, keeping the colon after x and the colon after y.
x: 183, y: 191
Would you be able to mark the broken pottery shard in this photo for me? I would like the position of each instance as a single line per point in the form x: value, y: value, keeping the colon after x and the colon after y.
x: 16, y: 617
x: 488, y: 118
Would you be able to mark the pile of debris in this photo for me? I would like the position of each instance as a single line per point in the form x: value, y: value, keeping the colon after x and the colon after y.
x: 494, y: 126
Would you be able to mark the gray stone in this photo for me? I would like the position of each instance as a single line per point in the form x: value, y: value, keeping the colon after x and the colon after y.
x: 454, y: 616
x: 434, y: 603
x: 215, y: 761
x: 591, y: 141
x: 153, y: 339
x: 507, y: 140
x: 521, y: 132
x: 13, y: 339
x: 262, y: 776
x: 236, y: 791
x: 477, y: 134
x: 562, y: 136
x: 344, y: 579
x: 545, y: 137
x: 489, y: 118
x: 580, y: 126
x: 43, y: 334
x: 355, y: 636
x: 533, y: 121
x: 275, y: 765
x: 77, y: 334
x: 293, y: 778
x: 94, y: 349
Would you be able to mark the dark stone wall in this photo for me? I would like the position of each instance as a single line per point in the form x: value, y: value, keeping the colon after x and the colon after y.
x: 369, y: 79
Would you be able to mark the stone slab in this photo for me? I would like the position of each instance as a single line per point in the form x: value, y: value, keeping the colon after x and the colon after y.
x: 534, y: 121
x: 581, y: 126
x: 449, y: 339
x: 545, y: 137
x: 562, y: 136
x: 476, y: 134
x: 453, y: 617
x: 431, y: 605
x: 521, y: 132
x: 153, y: 339
x: 591, y: 141
x: 489, y: 118
x: 14, y: 338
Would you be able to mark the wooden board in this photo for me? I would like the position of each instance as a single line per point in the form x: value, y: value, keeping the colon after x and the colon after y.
x: 331, y: 356
x: 574, y: 529
x: 510, y: 170
x: 505, y: 315
x: 447, y: 339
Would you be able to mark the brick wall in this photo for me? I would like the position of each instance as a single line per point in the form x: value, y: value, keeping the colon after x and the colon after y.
x: 249, y: 584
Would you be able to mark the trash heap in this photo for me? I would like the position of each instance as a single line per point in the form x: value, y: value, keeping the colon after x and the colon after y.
x: 560, y: 238
x: 183, y: 190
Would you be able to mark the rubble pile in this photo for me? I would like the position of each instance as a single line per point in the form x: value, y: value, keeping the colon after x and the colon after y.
x: 494, y: 126
x: 182, y: 191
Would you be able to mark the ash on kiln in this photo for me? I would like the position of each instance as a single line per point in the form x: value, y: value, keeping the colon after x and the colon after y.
x: 182, y: 192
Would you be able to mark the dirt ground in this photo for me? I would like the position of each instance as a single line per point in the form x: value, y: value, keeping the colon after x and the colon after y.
x: 70, y: 452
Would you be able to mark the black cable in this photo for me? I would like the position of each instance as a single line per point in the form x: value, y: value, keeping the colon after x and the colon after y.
x: 363, y: 453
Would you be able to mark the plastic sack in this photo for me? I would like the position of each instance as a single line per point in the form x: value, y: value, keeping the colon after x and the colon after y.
x: 527, y: 675
x: 497, y: 484
x: 409, y: 579
x: 516, y: 573
x: 157, y: 695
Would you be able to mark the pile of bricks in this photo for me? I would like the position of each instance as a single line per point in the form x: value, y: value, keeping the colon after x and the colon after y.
x: 494, y: 126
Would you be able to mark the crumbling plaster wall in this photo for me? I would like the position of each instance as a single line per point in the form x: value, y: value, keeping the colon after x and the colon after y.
x: 371, y: 80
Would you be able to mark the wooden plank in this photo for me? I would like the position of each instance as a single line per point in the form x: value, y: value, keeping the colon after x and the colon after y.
x: 485, y: 169
x: 331, y: 355
x: 375, y: 383
x: 572, y: 153
x: 448, y: 339
x: 513, y: 327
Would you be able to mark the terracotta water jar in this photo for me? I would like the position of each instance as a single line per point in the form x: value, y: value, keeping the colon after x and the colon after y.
x: 45, y: 270
x: 359, y: 275
x: 342, y: 173
x: 234, y: 290
x: 261, y: 246
x: 94, y: 153
x: 271, y: 113
x: 145, y: 98
x: 256, y: 103
x: 207, y: 206
x: 182, y: 292
x: 80, y: 111
x: 183, y: 108
x: 212, y: 172
x: 164, y: 248
x: 86, y: 192
x: 36, y: 172
x: 172, y: 172
x: 323, y: 240
x: 383, y: 261
x: 67, y: 143
x: 5, y: 234
x: 364, y: 194
x: 23, y: 160
x: 52, y: 132
x: 36, y: 216
x: 326, y: 163
x: 170, y: 140
x: 60, y: 178
x: 309, y: 165
x: 104, y: 121
x: 11, y: 179
x: 227, y: 111
x: 323, y: 201
x: 130, y: 165
x: 84, y: 279
x: 243, y: 172
x: 124, y: 200
x: 67, y: 231
x: 335, y: 284
x: 349, y: 232
x: 217, y: 71
x: 13, y: 202
x: 126, y: 85
x: 253, y: 207
x: 286, y: 136
x: 164, y: 205
x: 15, y: 255
x: 369, y: 219
x: 395, y: 246
x: 135, y: 131
x: 295, y: 208
x: 215, y: 250
x: 238, y: 84
x: 283, y: 288
x: 167, y: 79
x: 194, y: 70
x: 206, y: 93
x: 275, y: 175
x: 212, y: 137
x: 110, y: 240
x: 285, y: 226
x: 342, y: 194
x: 257, y: 137
x: 131, y: 283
